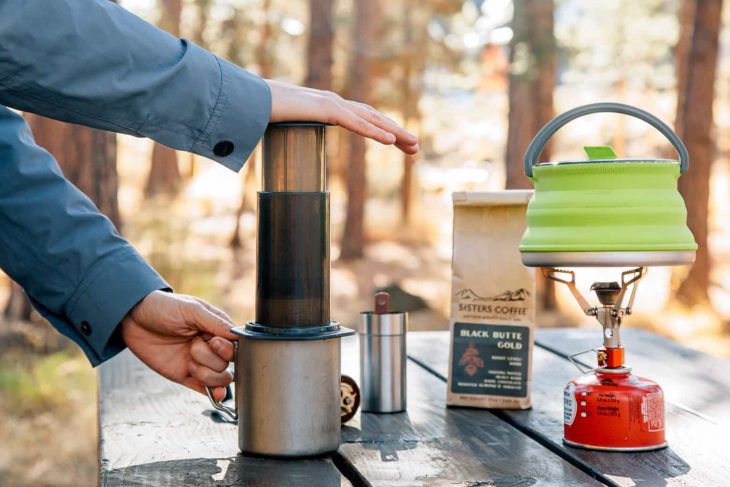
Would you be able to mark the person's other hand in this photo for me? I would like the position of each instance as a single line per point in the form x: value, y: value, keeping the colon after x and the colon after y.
x: 290, y: 103
x: 183, y: 339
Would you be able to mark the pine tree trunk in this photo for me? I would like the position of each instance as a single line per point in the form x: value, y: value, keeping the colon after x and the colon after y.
x: 18, y: 307
x: 319, y: 45
x: 202, y: 15
x: 359, y: 86
x: 415, y: 35
x: 248, y: 197
x: 164, y: 176
x: 531, y: 83
x: 696, y: 79
x: 88, y: 159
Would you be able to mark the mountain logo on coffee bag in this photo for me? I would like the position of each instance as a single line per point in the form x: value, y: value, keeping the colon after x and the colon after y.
x: 517, y: 295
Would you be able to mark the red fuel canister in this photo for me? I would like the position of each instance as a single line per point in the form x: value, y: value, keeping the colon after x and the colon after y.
x: 612, y: 409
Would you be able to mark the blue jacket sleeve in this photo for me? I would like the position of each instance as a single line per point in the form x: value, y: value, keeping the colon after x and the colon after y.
x: 91, y: 62
x: 78, y: 272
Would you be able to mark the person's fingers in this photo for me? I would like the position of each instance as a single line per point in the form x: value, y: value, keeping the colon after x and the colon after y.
x: 219, y: 393
x: 291, y: 102
x: 206, y: 321
x: 349, y: 120
x: 209, y: 377
x: 203, y: 354
x: 222, y: 347
x: 215, y: 310
x: 408, y: 149
x: 373, y: 116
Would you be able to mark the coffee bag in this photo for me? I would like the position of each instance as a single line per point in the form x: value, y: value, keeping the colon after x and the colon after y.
x: 492, y: 303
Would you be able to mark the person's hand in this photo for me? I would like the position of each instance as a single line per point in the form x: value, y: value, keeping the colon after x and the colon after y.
x: 182, y: 338
x: 290, y: 103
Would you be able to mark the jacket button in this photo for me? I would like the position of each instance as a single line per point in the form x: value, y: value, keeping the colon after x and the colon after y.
x: 85, y: 328
x: 223, y: 148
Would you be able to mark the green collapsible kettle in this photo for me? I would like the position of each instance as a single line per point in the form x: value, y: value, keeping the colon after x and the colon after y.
x: 606, y: 211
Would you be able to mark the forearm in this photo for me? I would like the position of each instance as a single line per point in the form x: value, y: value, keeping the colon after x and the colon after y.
x: 78, y: 272
x: 96, y: 64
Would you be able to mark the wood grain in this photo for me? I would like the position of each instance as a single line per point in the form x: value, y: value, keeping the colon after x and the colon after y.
x: 690, y: 379
x: 697, y: 454
x: 432, y: 446
x: 156, y: 433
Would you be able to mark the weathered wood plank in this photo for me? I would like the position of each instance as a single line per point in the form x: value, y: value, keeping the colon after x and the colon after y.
x: 432, y: 446
x: 697, y: 454
x: 691, y: 379
x: 153, y: 432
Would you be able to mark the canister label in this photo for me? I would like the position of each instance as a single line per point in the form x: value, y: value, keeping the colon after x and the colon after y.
x: 490, y: 359
x: 570, y: 405
x: 652, y: 412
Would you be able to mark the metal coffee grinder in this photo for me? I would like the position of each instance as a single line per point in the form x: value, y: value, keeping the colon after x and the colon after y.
x: 287, y: 379
x: 608, y: 212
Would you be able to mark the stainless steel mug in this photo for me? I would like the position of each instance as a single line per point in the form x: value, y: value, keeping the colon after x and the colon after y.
x: 287, y: 398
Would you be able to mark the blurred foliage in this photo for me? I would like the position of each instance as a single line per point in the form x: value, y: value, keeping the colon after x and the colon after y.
x: 606, y: 43
x: 51, y: 382
x: 164, y: 234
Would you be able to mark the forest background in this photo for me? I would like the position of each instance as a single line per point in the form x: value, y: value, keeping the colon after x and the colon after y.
x: 476, y: 79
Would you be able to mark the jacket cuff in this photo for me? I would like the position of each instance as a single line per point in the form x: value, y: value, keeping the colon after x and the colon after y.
x: 109, y: 291
x: 239, y: 119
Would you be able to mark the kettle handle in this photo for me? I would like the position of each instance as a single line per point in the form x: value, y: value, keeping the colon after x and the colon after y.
x: 538, y: 143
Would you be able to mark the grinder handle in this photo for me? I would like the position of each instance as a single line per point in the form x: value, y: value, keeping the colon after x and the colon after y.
x: 538, y: 143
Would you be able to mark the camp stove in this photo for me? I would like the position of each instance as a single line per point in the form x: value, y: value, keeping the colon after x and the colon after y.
x: 615, y: 213
x: 608, y: 407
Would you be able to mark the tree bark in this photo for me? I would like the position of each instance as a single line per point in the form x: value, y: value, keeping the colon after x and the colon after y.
x: 359, y: 87
x: 248, y: 200
x: 18, y: 307
x: 531, y: 83
x: 695, y: 96
x: 88, y: 159
x: 164, y: 176
x: 415, y: 35
x: 201, y: 21
x: 319, y: 45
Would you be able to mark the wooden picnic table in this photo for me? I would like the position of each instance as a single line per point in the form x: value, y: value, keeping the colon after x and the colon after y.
x: 153, y: 432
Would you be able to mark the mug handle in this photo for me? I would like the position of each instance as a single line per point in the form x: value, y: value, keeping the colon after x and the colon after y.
x: 543, y: 135
x: 227, y: 411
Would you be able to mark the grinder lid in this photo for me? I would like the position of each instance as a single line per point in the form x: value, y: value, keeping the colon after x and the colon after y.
x: 382, y: 321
